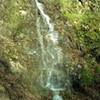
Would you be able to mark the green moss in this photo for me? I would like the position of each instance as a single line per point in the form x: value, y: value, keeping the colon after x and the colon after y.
x: 73, y: 10
x: 13, y: 14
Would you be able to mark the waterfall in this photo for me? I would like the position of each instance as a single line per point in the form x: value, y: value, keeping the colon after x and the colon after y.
x: 52, y: 75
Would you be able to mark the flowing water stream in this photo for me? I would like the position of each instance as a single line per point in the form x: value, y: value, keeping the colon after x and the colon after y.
x: 53, y: 75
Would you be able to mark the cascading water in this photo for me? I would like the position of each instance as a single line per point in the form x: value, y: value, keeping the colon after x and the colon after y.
x: 53, y: 74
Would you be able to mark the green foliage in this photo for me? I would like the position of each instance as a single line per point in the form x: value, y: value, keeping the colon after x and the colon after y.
x: 97, y: 74
x: 87, y: 72
x: 98, y: 69
x: 86, y: 77
x: 18, y: 19
x: 13, y: 14
x: 73, y: 11
x: 88, y: 34
x: 85, y: 19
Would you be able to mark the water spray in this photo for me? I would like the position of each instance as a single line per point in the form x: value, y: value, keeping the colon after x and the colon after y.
x: 56, y: 96
x: 52, y: 75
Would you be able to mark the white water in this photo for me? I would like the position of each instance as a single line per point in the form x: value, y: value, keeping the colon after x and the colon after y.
x: 53, y: 35
x: 45, y: 17
x: 57, y: 96
x: 52, y: 75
